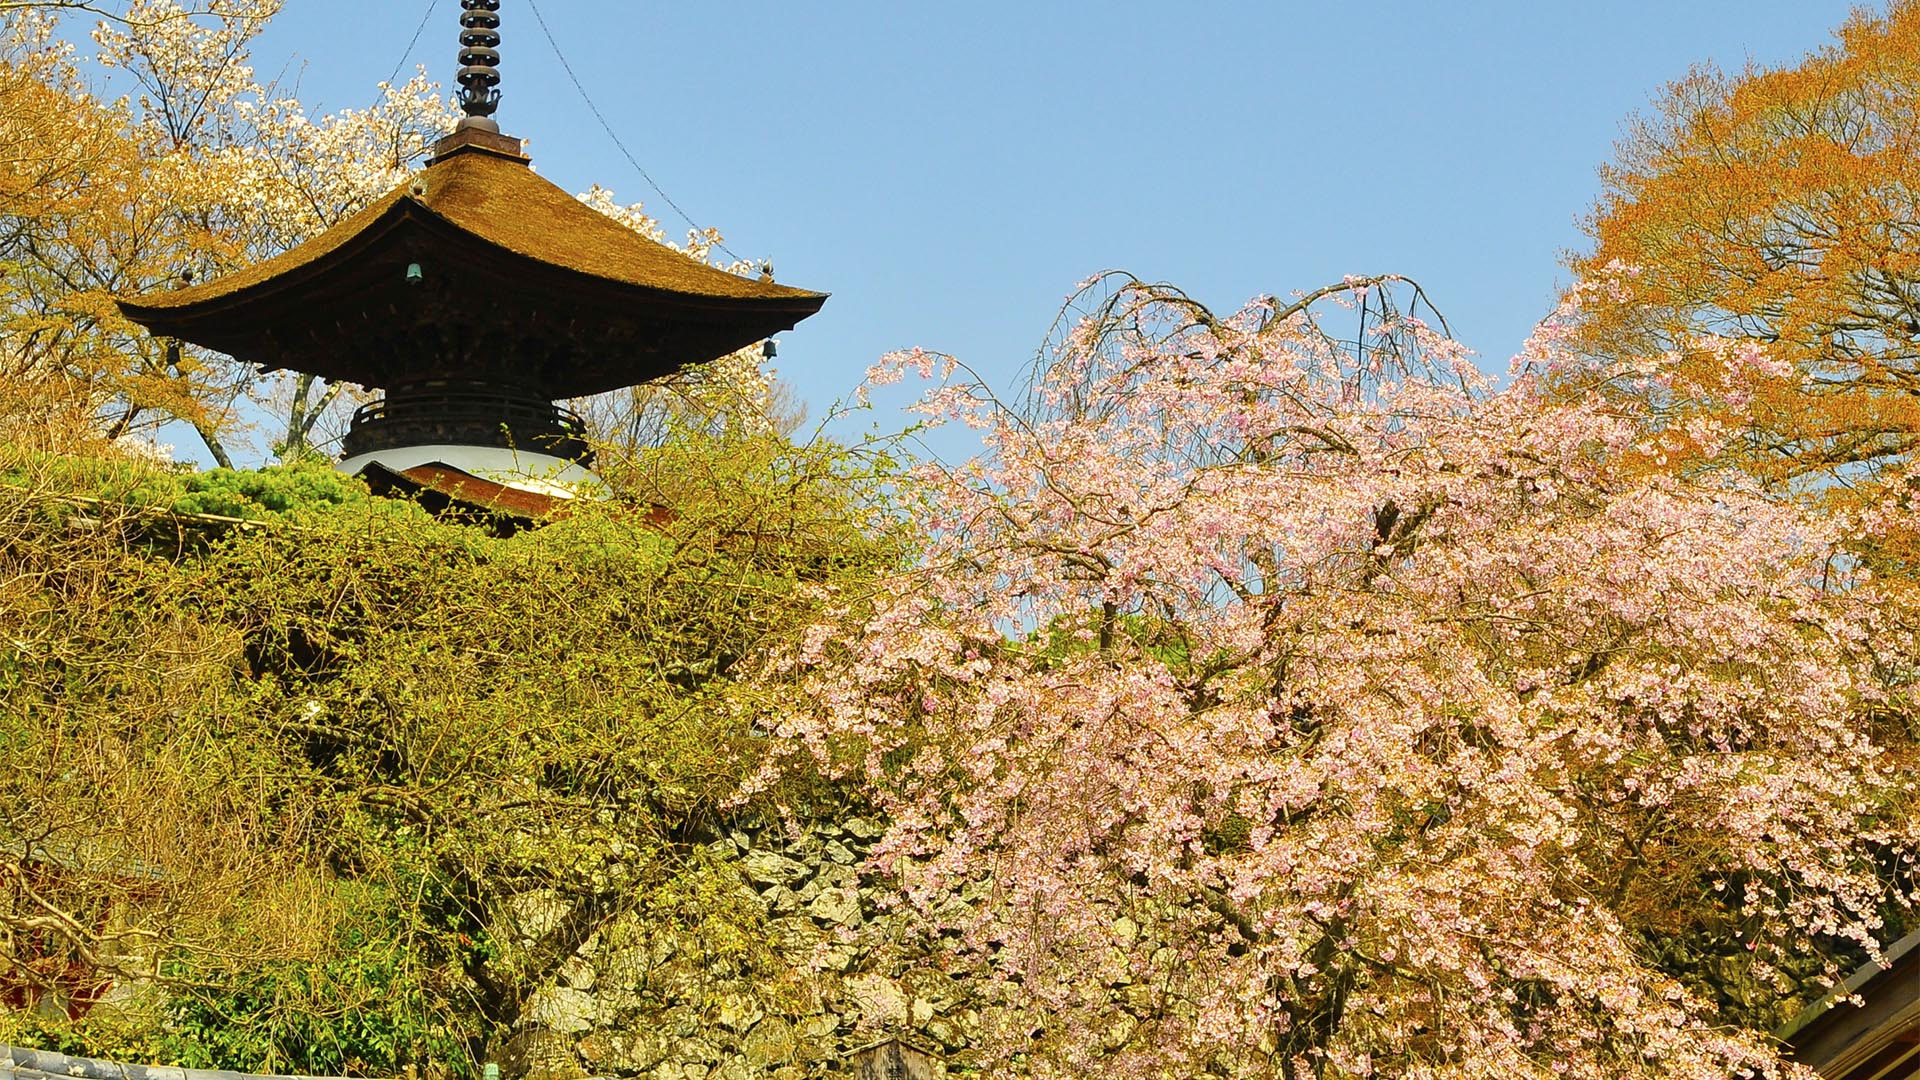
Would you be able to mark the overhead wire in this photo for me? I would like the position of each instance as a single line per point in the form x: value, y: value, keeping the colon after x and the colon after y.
x: 611, y: 134
x: 413, y: 43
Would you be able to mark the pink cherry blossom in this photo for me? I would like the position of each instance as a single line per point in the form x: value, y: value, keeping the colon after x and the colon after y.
x: 1296, y: 709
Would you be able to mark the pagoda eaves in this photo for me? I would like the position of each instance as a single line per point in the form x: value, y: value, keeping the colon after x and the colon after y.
x: 479, y: 269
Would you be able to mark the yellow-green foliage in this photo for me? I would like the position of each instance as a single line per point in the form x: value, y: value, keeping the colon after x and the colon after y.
x: 300, y: 776
x: 255, y: 494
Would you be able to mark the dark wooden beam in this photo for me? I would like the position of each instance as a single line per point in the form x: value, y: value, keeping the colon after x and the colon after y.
x: 1841, y: 1041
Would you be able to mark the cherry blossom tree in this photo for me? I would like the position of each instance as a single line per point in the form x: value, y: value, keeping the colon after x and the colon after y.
x: 737, y: 394
x: 1306, y: 709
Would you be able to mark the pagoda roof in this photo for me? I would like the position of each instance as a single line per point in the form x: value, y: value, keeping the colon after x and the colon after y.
x: 444, y: 486
x: 446, y: 489
x: 511, y: 255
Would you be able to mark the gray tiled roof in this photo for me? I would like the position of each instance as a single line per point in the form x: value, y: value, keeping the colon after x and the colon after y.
x: 18, y: 1063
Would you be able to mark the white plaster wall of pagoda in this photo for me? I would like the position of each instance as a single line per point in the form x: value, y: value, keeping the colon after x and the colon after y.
x: 542, y: 474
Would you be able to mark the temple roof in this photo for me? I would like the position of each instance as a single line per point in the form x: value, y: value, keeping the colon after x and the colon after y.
x: 1868, y: 1027
x: 442, y: 488
x: 510, y: 258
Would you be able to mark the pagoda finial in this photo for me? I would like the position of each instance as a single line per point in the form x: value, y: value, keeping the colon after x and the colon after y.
x: 479, y: 63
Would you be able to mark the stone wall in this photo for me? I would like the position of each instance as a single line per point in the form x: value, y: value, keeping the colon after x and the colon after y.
x: 641, y: 1000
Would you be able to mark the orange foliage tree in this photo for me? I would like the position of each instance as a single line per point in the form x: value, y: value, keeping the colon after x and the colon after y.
x: 1768, y: 224
x: 200, y: 169
x: 56, y: 146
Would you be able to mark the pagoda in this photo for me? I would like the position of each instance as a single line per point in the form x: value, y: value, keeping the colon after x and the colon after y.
x: 475, y: 296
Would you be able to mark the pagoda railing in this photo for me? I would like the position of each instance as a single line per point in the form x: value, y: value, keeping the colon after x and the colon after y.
x: 468, y: 416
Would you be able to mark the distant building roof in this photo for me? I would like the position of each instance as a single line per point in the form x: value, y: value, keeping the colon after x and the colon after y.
x: 19, y: 1063
x: 1876, y: 1040
x: 84, y: 858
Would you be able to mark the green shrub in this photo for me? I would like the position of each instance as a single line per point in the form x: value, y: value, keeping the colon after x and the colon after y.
x: 316, y: 760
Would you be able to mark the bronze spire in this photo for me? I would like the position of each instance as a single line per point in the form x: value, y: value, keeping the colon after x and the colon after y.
x: 479, y: 63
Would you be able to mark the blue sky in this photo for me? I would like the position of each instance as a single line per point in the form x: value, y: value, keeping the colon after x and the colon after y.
x: 950, y: 171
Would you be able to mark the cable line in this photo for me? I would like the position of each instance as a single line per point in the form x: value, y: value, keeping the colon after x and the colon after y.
x: 432, y: 6
x: 611, y: 134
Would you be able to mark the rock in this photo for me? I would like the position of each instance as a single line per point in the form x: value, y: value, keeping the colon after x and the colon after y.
x: 625, y: 969
x: 535, y: 914
x: 563, y: 1009
x: 836, y: 957
x: 616, y: 1052
x: 781, y: 900
x: 770, y: 1043
x: 541, y: 1055
x: 635, y: 966
x: 683, y: 1022
x: 793, y: 934
x: 738, y: 1013
x: 878, y: 998
x: 837, y: 907
x: 773, y: 868
x: 945, y: 1034
x: 577, y: 973
x: 675, y: 980
x: 616, y: 1006
x: 835, y: 876
x: 695, y: 1051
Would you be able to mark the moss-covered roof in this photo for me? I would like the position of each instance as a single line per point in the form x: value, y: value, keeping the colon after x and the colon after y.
x: 478, y: 269
x: 497, y: 198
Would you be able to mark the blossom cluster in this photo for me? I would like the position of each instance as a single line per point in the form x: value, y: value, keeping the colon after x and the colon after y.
x: 1300, y: 709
